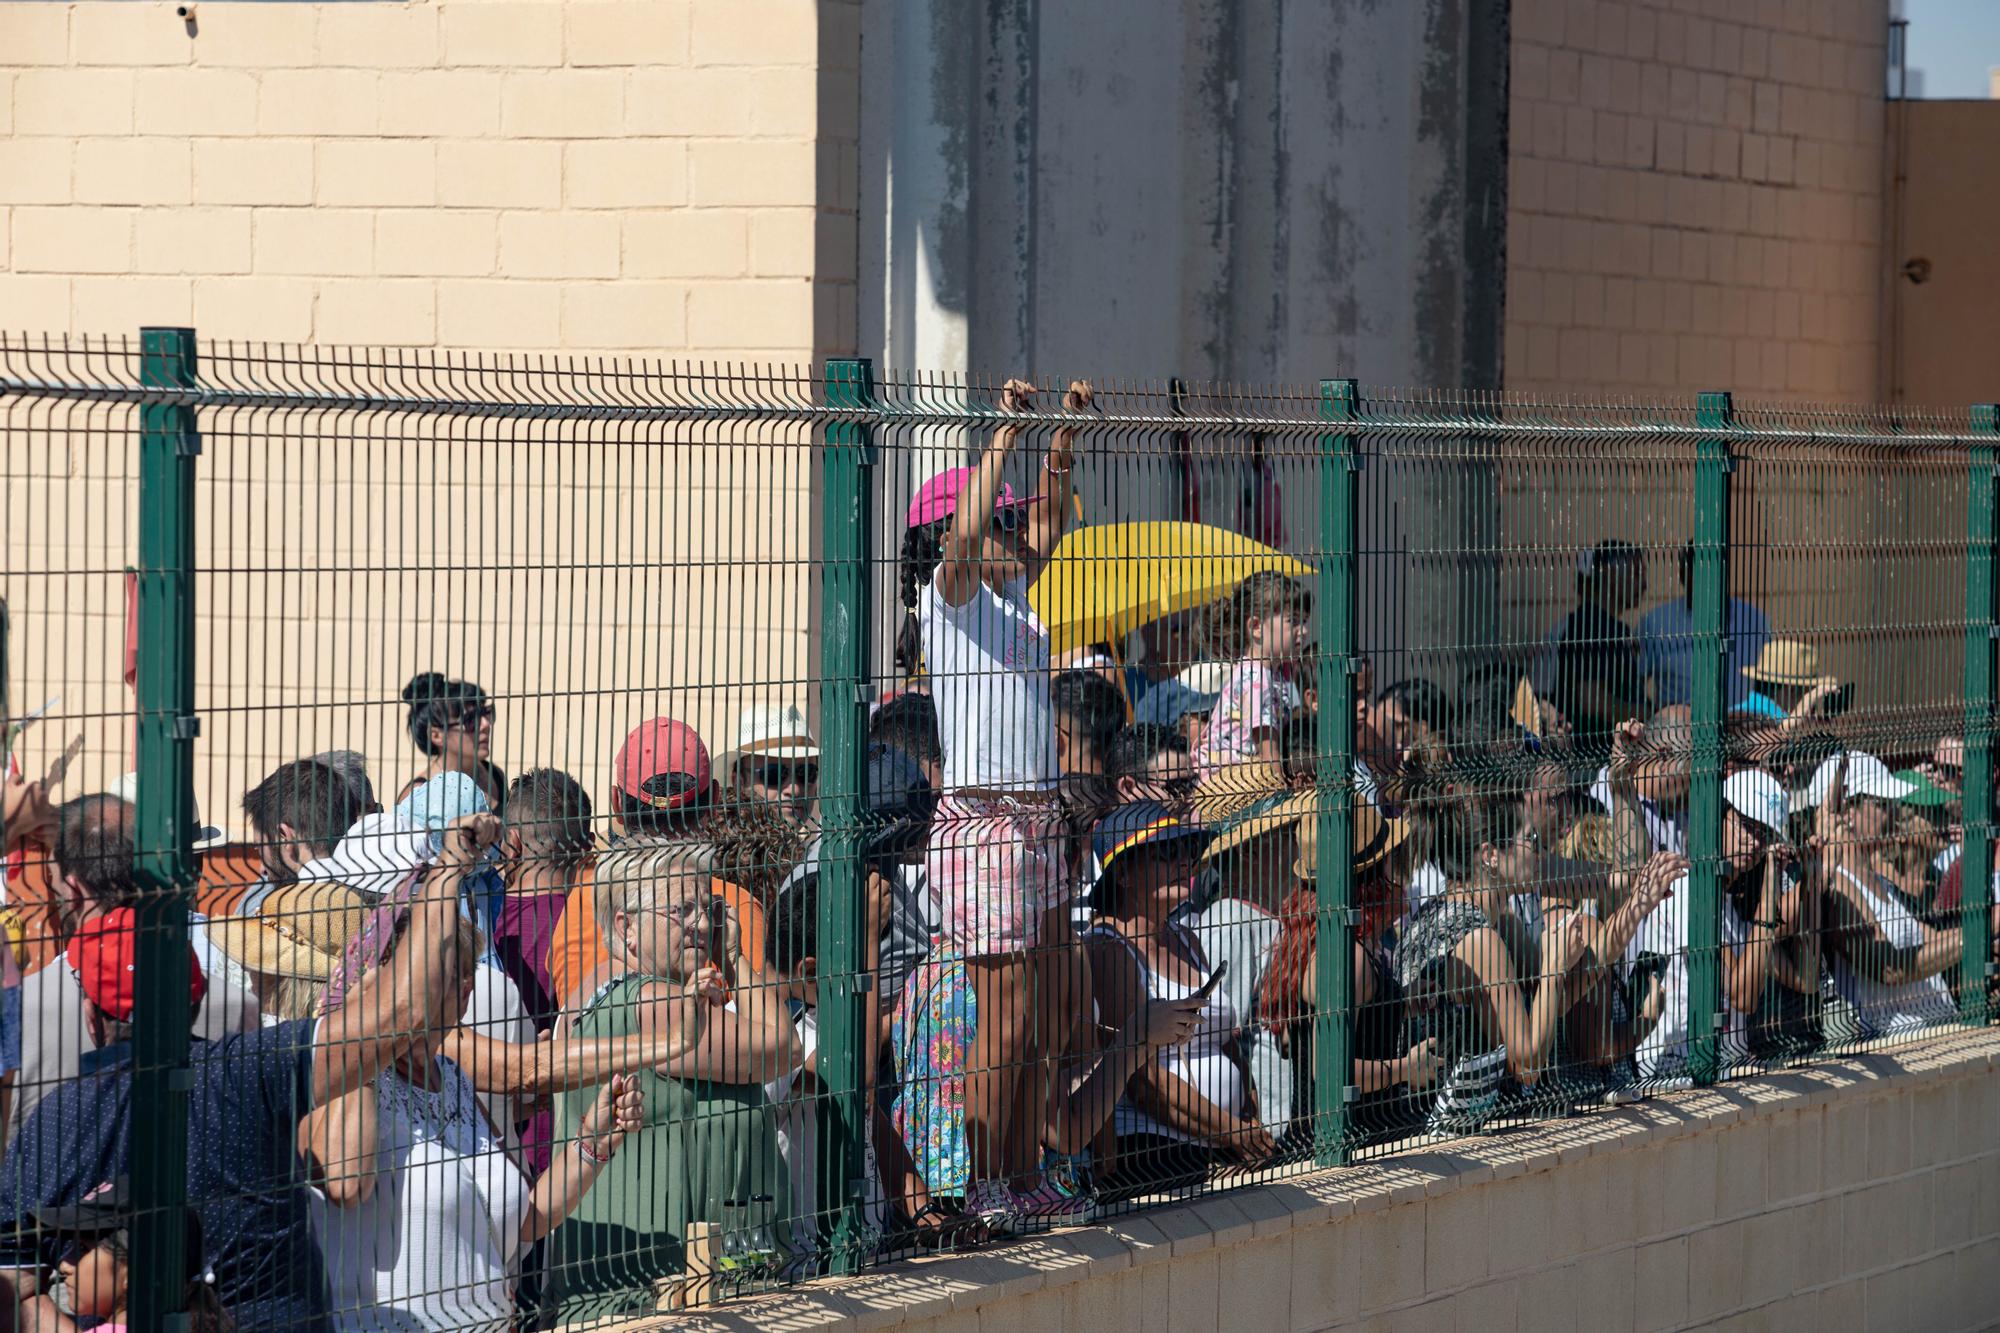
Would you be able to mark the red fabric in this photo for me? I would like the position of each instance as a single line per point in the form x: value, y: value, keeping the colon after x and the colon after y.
x: 102, y: 956
x: 1950, y: 887
x: 131, y: 630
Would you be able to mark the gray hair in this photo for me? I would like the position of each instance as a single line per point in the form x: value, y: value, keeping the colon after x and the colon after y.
x: 629, y: 874
x: 351, y: 769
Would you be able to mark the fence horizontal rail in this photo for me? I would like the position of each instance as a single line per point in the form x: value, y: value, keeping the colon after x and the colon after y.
x: 1268, y: 777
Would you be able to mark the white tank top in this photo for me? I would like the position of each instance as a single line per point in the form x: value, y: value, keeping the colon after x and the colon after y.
x: 431, y: 1247
x: 1201, y: 1060
x: 989, y: 670
x: 1883, y: 1009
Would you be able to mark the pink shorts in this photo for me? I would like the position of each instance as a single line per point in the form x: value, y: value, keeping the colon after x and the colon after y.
x: 996, y: 867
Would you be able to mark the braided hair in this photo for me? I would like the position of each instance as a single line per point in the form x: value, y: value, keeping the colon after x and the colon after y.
x: 923, y: 548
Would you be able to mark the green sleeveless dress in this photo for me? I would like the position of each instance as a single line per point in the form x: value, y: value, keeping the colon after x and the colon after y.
x: 702, y: 1143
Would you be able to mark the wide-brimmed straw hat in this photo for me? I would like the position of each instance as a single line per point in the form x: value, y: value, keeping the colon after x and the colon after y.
x: 1245, y: 801
x: 1374, y: 838
x: 1786, y: 662
x: 299, y: 931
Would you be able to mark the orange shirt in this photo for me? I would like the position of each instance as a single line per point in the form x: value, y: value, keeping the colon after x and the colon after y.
x: 577, y: 948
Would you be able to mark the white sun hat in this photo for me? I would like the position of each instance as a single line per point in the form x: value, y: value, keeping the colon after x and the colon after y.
x: 1866, y: 776
x: 1760, y: 798
x: 768, y: 731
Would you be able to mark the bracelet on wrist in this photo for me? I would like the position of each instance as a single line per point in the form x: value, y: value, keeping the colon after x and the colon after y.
x: 583, y: 1146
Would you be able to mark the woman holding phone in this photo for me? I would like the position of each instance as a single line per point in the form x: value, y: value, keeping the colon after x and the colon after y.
x: 1191, y: 1104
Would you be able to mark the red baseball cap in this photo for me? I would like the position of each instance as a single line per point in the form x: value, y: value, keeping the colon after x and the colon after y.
x: 102, y: 953
x: 663, y: 764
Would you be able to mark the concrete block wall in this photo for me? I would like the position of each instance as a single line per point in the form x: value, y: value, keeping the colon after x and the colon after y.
x: 603, y: 178
x: 1695, y: 197
x: 596, y: 176
x: 1860, y: 1195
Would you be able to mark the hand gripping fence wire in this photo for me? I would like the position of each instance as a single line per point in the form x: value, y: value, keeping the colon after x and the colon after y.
x: 630, y: 834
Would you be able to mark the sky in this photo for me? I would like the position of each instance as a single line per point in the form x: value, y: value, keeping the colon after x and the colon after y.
x: 1955, y: 43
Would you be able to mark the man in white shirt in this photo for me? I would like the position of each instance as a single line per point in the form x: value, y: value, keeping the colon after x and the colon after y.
x: 1760, y: 903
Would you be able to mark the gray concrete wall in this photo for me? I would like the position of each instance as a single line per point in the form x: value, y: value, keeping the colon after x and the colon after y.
x: 1202, y: 188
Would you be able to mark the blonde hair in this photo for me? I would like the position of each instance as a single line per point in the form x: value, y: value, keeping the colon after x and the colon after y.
x: 629, y: 875
x: 294, y: 997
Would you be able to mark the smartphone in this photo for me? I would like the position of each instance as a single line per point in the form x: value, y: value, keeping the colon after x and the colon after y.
x: 1839, y: 701
x: 1214, y: 980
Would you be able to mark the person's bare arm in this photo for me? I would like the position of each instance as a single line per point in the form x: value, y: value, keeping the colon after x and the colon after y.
x: 1048, y: 520
x: 1631, y: 840
x: 337, y: 1142
x: 965, y: 539
x: 384, y: 1011
x: 619, y: 1109
x: 751, y: 1045
x: 1073, y: 1121
x: 1525, y: 1027
x: 537, y: 1068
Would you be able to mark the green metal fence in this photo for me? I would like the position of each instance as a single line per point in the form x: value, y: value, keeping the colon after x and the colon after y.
x: 1480, y: 833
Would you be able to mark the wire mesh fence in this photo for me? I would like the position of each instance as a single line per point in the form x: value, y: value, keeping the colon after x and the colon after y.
x: 630, y: 834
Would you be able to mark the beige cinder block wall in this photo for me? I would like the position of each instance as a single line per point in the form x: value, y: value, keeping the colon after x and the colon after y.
x: 1861, y: 1195
x: 657, y: 178
x: 1695, y: 202
x: 1695, y: 196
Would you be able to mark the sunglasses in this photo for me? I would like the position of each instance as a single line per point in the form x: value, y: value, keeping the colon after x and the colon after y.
x: 470, y: 719
x: 1008, y: 519
x: 778, y: 776
x: 78, y: 1246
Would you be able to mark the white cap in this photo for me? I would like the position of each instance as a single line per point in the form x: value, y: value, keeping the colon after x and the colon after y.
x: 1759, y: 798
x: 770, y: 731
x: 126, y: 788
x: 1866, y: 776
x: 1206, y: 677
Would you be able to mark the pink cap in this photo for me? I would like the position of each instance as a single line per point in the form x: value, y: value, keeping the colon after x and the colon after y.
x: 938, y: 497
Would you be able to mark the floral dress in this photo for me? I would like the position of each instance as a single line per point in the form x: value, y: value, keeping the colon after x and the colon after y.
x: 933, y: 1033
x: 1256, y: 697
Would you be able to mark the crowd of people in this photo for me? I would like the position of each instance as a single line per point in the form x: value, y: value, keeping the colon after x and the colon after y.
x: 500, y: 1052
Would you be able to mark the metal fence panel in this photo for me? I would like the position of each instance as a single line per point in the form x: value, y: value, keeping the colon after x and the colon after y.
x: 801, y: 876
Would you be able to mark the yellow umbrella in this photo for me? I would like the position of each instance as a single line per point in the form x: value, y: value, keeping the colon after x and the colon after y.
x: 1106, y: 581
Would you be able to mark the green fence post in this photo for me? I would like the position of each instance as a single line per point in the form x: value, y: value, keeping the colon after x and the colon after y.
x: 1712, y: 466
x: 164, y: 827
x: 1333, y: 976
x: 844, y: 669
x: 1976, y: 863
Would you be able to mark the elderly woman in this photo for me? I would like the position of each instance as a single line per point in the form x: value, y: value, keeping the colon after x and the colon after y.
x: 423, y: 1215
x: 707, y: 1136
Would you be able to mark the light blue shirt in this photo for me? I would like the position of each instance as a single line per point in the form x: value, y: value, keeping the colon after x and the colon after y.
x: 1666, y: 649
x: 1761, y: 704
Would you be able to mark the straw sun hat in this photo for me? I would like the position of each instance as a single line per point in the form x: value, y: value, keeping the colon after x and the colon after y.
x: 1374, y: 838
x: 1245, y: 801
x: 1786, y: 662
x: 299, y: 931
